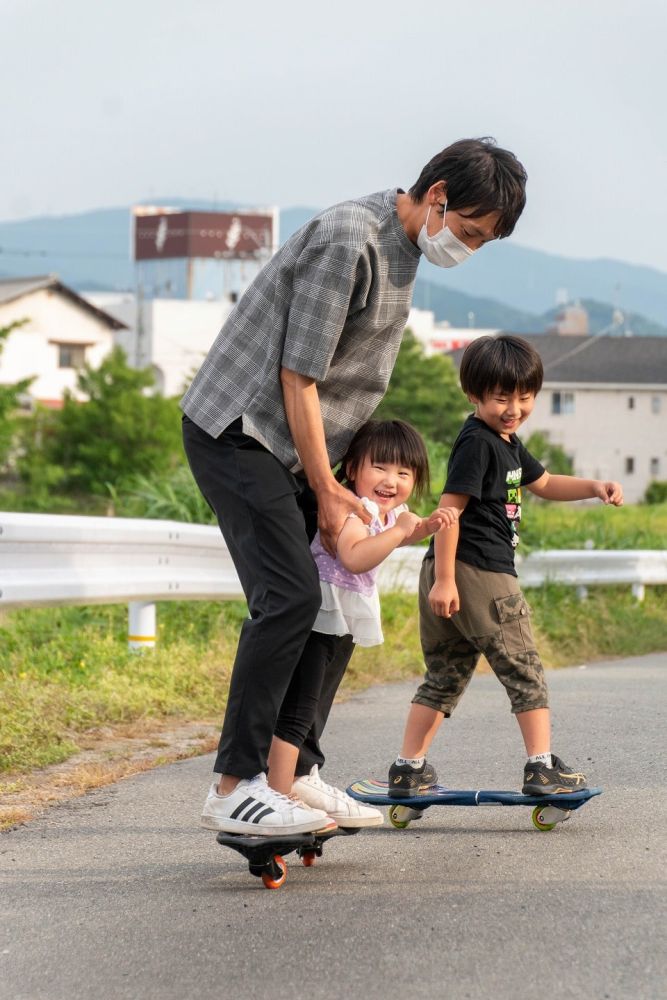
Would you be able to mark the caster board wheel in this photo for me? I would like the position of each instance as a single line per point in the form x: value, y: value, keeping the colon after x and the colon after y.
x: 265, y: 854
x: 546, y: 817
x: 275, y: 873
x: 548, y: 810
x: 400, y: 817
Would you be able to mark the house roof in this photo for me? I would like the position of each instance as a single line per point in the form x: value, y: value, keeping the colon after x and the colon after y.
x: 17, y: 288
x: 603, y: 359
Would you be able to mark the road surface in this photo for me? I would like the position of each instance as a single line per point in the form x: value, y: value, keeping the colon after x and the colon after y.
x: 120, y: 895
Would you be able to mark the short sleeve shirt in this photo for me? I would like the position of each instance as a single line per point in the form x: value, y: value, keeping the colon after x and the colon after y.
x: 490, y: 471
x: 332, y: 305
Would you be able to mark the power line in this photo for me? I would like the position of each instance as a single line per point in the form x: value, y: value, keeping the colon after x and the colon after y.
x: 12, y: 252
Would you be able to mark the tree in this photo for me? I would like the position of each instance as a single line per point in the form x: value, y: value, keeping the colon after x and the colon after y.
x: 9, y: 399
x: 552, y: 456
x: 119, y: 432
x: 425, y: 392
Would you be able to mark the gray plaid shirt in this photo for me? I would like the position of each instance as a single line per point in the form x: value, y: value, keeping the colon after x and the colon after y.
x: 331, y: 305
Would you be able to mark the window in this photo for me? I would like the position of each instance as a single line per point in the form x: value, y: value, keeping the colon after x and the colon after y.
x: 631, y: 402
x: 655, y: 404
x: 71, y: 355
x: 629, y: 466
x: 562, y: 402
x: 655, y: 467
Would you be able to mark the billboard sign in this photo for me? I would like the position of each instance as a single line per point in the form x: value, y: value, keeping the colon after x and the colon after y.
x: 162, y: 233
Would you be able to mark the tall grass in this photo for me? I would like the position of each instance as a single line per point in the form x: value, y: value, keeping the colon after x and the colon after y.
x: 593, y: 525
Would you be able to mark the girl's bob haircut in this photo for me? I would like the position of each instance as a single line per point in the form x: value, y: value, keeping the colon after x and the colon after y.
x: 387, y: 441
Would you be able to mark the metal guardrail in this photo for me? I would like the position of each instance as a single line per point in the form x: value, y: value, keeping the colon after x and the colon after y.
x: 48, y: 559
x: 583, y: 568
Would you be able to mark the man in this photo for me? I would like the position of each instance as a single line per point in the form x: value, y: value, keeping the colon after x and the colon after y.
x: 300, y: 364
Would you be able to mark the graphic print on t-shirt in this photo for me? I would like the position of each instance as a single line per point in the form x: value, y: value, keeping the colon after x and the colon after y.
x: 513, y: 502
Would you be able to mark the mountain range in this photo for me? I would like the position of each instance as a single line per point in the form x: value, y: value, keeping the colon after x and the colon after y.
x: 507, y: 286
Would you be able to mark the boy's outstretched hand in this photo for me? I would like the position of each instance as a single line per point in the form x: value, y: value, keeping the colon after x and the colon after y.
x: 609, y: 492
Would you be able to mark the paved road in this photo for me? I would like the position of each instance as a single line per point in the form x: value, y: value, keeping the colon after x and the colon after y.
x: 119, y: 895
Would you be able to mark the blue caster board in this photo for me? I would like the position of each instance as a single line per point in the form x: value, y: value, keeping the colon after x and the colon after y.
x: 264, y: 854
x: 548, y: 810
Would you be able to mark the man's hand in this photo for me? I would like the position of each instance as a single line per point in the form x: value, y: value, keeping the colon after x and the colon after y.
x: 333, y: 506
x: 444, y: 598
x: 609, y: 493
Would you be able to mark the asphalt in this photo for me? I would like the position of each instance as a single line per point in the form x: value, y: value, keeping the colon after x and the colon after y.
x: 119, y: 894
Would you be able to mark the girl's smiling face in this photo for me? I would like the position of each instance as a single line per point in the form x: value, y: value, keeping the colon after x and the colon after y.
x: 387, y: 484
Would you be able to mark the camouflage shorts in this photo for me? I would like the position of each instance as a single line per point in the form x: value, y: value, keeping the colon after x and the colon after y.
x: 494, y: 620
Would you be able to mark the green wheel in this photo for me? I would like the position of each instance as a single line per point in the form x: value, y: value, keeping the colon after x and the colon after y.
x: 537, y: 822
x: 395, y: 814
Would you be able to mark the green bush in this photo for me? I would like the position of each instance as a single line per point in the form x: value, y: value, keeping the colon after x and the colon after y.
x: 425, y: 392
x: 9, y: 399
x: 656, y: 492
x: 119, y: 431
x: 171, y: 497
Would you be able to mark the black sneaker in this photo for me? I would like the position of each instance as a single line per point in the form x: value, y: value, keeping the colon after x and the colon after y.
x: 405, y: 780
x: 538, y: 779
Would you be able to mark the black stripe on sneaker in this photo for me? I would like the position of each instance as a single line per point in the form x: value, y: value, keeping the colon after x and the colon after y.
x: 245, y: 812
x: 244, y: 805
x: 260, y: 816
x: 249, y: 812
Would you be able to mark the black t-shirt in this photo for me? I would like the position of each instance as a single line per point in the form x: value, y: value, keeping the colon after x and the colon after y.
x: 491, y: 471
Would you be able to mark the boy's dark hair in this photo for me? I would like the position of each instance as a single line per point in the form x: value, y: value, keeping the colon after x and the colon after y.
x: 478, y: 174
x: 388, y: 441
x: 505, y: 362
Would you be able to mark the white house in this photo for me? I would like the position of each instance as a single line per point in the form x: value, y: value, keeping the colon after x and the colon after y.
x: 172, y: 336
x: 61, y: 332
x: 604, y: 401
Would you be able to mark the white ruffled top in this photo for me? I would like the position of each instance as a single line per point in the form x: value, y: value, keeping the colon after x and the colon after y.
x: 350, y: 601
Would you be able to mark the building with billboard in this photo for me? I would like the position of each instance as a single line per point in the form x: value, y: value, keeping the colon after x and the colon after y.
x: 200, y: 255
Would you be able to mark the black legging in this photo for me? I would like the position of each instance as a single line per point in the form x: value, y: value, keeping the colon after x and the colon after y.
x: 268, y: 518
x: 307, y: 703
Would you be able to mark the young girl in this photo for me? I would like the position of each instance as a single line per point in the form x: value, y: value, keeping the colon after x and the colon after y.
x: 384, y: 464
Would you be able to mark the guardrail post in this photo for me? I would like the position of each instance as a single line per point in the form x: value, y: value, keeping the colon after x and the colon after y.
x: 141, y: 625
x: 638, y: 591
x: 582, y: 592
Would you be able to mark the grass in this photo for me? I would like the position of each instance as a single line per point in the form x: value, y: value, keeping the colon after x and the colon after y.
x: 578, y: 526
x: 67, y: 671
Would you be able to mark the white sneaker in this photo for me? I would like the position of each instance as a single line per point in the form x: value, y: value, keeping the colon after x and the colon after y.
x: 338, y: 804
x: 254, y: 808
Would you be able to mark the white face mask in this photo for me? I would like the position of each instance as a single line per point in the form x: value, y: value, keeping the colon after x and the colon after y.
x: 443, y: 249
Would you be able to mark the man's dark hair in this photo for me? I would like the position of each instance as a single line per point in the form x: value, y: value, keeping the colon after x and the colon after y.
x: 507, y: 363
x: 387, y: 441
x: 478, y: 175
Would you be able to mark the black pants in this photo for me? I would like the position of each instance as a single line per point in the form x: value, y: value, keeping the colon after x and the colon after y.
x: 268, y: 518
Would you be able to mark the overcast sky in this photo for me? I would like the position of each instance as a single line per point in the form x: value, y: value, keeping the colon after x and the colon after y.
x: 301, y: 103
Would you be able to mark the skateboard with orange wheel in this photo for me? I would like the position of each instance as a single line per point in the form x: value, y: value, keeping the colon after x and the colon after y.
x: 265, y: 854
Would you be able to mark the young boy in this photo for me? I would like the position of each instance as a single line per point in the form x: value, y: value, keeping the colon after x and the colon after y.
x: 470, y: 601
